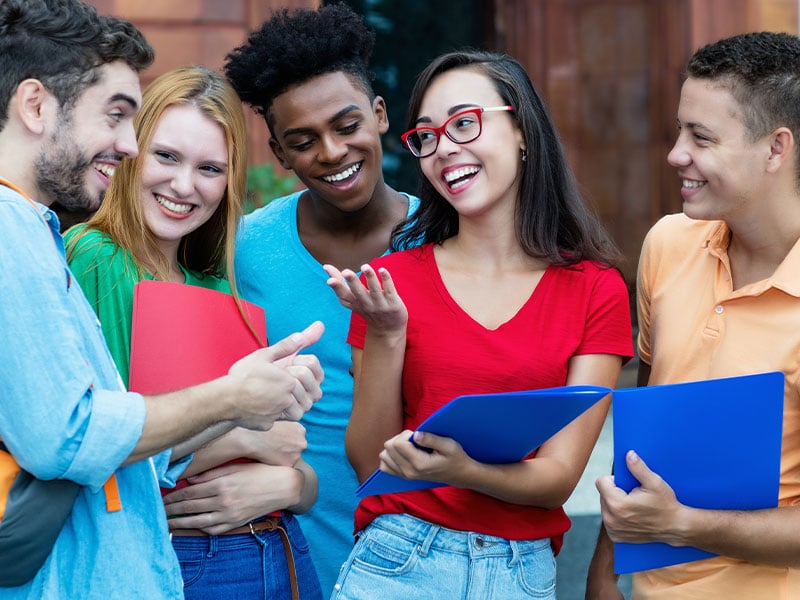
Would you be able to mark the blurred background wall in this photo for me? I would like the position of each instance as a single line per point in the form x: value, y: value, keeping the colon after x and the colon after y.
x: 610, y: 71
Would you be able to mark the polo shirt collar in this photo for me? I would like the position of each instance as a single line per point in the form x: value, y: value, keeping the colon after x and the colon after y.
x: 785, y: 278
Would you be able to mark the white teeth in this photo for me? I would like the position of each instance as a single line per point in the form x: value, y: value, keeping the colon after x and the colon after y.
x: 349, y: 172
x: 691, y: 184
x: 451, y: 176
x: 174, y: 207
x: 106, y: 170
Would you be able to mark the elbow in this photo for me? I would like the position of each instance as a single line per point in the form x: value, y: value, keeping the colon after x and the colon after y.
x: 44, y: 461
x: 363, y: 462
x: 362, y: 467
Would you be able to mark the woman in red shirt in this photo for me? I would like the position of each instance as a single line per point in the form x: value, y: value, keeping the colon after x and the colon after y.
x: 513, y: 288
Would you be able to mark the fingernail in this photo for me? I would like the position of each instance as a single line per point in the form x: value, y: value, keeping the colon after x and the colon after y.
x: 632, y: 456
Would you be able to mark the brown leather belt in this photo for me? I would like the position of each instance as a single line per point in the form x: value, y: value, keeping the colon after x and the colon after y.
x: 253, y: 527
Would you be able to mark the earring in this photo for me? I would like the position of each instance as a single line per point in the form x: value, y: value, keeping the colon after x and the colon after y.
x: 524, y: 155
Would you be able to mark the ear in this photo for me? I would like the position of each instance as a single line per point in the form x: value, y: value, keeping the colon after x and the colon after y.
x: 277, y: 150
x: 382, y: 116
x: 33, y: 105
x: 781, y: 148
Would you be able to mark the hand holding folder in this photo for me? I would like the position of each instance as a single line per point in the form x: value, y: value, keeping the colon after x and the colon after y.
x: 496, y: 428
x: 717, y: 443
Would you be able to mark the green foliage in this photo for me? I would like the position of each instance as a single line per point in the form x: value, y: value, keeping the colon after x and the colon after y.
x: 264, y: 184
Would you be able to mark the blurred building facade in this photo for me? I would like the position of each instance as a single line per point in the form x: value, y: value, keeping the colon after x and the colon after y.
x: 610, y: 70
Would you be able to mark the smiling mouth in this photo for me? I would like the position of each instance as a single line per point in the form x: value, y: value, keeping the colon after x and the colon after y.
x: 459, y: 177
x: 181, y: 209
x: 342, y: 175
x: 105, y: 169
x: 691, y: 184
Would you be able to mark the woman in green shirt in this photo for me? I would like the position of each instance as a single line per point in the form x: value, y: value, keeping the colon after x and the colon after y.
x: 171, y: 214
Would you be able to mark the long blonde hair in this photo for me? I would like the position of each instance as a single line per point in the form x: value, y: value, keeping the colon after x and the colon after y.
x: 208, y: 249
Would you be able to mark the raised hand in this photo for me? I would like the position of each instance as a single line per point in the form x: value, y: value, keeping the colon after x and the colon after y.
x: 377, y: 302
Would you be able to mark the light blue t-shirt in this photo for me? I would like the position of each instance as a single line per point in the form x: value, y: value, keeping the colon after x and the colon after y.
x: 64, y: 414
x: 275, y: 271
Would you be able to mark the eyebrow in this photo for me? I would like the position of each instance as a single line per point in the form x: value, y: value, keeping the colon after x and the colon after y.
x: 299, y: 130
x: 124, y: 98
x: 451, y: 111
x: 693, y: 126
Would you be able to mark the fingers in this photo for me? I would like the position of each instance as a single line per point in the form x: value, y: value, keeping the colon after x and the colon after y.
x: 295, y: 342
x: 642, y: 472
x: 606, y: 487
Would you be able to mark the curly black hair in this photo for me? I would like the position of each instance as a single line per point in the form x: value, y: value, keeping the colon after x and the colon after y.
x: 293, y: 47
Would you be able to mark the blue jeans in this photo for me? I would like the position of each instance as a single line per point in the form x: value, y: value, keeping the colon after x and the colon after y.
x: 246, y: 566
x: 401, y: 557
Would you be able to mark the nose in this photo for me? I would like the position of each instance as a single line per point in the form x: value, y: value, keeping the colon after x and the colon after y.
x: 126, y: 142
x: 331, y: 149
x: 679, y: 155
x: 182, y: 181
x: 446, y: 146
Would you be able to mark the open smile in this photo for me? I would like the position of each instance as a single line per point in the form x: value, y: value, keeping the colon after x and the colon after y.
x: 344, y: 174
x: 460, y: 176
x: 175, y: 207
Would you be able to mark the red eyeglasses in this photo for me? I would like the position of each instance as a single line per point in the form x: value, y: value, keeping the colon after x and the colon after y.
x: 463, y: 127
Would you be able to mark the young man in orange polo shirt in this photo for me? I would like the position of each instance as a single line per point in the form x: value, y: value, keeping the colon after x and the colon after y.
x: 719, y: 295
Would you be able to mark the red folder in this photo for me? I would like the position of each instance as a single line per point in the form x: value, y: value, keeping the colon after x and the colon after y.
x: 183, y: 335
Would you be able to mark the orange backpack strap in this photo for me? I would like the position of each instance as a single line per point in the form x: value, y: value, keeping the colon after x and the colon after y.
x: 113, y: 501
x: 8, y: 472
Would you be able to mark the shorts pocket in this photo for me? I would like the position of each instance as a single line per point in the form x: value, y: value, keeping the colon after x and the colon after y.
x: 537, y: 572
x: 384, y: 553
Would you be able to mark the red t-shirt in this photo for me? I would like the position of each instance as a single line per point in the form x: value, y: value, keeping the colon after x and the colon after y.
x: 583, y: 309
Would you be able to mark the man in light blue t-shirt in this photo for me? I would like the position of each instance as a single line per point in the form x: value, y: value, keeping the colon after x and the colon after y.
x: 325, y: 121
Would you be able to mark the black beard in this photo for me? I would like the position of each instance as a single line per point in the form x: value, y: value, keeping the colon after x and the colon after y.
x: 60, y: 178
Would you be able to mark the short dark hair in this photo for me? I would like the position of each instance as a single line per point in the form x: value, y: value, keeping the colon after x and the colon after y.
x: 62, y: 43
x: 292, y: 47
x: 552, y: 221
x: 762, y: 72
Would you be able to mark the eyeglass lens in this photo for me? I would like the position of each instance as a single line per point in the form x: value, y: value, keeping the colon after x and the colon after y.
x: 461, y: 128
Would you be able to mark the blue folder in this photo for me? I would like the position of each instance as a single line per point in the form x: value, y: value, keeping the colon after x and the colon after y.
x: 717, y: 443
x: 496, y: 428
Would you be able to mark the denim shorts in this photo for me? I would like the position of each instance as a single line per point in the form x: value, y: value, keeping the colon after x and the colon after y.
x: 246, y: 565
x: 401, y: 557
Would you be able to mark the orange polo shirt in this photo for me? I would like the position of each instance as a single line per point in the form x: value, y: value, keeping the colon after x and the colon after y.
x: 692, y: 326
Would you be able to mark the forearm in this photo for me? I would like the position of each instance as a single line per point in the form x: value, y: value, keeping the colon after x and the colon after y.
x: 548, y: 479
x: 214, y: 446
x: 207, y: 452
x: 377, y: 413
x: 309, y: 488
x: 761, y: 536
x: 541, y: 482
x: 601, y: 581
x: 173, y: 419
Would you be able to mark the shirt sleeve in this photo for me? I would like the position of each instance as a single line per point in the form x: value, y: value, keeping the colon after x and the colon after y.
x: 643, y: 298
x: 608, y: 318
x: 63, y: 413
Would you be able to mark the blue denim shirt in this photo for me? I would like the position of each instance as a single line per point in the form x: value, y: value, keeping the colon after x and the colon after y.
x: 64, y: 414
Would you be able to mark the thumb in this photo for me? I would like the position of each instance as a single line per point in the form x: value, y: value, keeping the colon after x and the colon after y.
x: 640, y: 470
x: 295, y: 342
